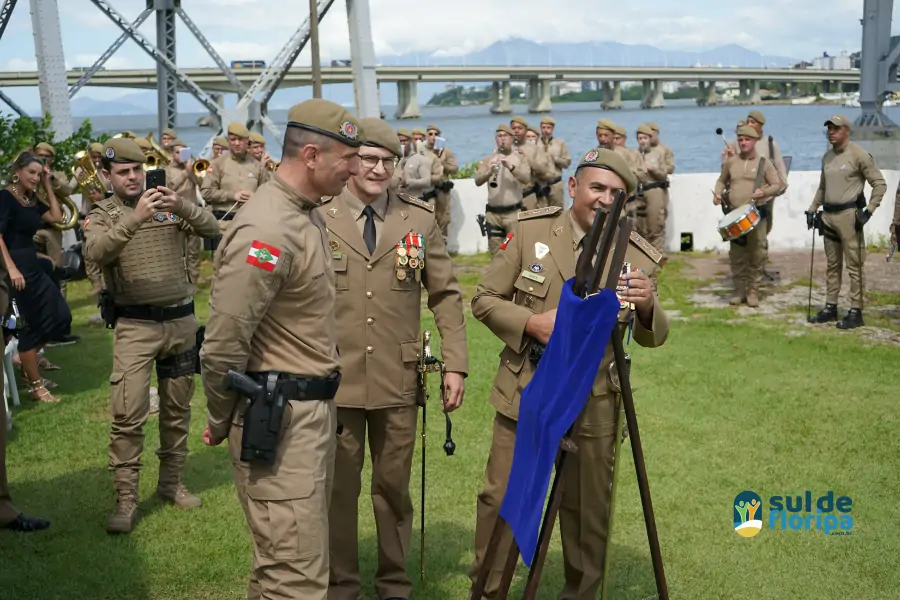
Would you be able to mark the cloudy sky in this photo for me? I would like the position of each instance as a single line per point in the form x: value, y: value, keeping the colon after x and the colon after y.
x: 256, y: 29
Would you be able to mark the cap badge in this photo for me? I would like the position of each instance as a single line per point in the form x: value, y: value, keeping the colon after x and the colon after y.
x: 348, y: 130
x: 110, y: 153
x: 591, y: 156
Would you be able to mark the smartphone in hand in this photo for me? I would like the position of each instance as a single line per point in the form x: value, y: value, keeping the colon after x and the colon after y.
x: 155, y: 178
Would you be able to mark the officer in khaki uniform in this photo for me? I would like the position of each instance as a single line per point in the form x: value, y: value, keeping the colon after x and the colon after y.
x: 654, y: 184
x: 258, y: 146
x: 520, y: 310
x: 542, y: 162
x: 219, y: 147
x: 139, y: 238
x: 422, y: 171
x: 539, y: 168
x: 845, y: 170
x: 232, y: 179
x: 48, y: 239
x: 747, y: 254
x: 386, y: 247
x: 505, y: 172
x: 404, y: 136
x: 606, y: 138
x: 450, y: 167
x: 272, y: 316
x: 668, y: 155
x: 560, y: 159
x: 180, y: 179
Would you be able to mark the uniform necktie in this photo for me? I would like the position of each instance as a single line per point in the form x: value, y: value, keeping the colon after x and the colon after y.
x: 369, y: 228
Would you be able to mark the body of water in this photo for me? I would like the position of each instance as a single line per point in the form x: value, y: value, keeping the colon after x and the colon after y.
x: 688, y: 129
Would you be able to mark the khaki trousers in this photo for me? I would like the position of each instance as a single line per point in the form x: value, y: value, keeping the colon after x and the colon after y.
x: 392, y: 438
x: 286, y: 504
x: 656, y: 213
x: 137, y: 345
x: 747, y: 261
x: 843, y: 243
x: 501, y: 225
x: 584, y: 510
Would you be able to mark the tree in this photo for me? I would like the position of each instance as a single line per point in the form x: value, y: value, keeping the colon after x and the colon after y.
x: 18, y: 134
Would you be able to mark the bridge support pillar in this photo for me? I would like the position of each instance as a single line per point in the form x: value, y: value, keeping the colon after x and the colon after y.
x: 500, y: 101
x: 612, y: 95
x: 51, y: 64
x: 167, y: 83
x: 653, y: 94
x: 753, y: 89
x: 708, y: 95
x: 539, y: 96
x: 407, y: 100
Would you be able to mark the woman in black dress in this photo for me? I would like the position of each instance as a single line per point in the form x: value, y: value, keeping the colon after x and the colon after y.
x: 40, y: 302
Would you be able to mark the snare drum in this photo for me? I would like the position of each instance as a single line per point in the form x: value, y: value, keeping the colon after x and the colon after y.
x: 739, y: 222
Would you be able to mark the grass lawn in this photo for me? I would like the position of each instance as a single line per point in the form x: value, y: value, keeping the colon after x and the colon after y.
x: 726, y: 405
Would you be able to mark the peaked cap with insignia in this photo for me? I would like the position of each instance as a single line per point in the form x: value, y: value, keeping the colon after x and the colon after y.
x: 329, y: 119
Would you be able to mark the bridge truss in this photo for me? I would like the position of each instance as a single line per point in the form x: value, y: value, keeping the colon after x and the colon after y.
x: 878, y: 68
x: 6, y: 9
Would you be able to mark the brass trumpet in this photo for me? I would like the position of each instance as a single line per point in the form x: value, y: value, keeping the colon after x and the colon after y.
x: 201, y: 166
x: 272, y: 164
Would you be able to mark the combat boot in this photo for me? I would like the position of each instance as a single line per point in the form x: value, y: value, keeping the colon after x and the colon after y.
x: 829, y: 313
x: 179, y: 496
x: 752, y: 299
x: 125, y: 516
x: 853, y: 319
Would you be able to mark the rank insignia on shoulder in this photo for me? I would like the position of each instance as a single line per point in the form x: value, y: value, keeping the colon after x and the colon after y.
x: 509, y: 236
x: 539, y: 212
x: 646, y: 247
x: 415, y: 201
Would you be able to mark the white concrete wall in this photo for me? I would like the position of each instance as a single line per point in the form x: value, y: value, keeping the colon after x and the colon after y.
x: 691, y: 210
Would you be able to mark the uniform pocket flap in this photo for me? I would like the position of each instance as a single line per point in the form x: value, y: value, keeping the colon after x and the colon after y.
x: 116, y: 378
x: 275, y: 489
x: 339, y: 264
x: 409, y: 351
x: 512, y: 360
x: 530, y: 286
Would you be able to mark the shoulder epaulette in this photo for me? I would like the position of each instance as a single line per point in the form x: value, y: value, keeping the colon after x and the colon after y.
x: 646, y: 247
x: 415, y: 201
x: 539, y: 212
x: 110, y: 208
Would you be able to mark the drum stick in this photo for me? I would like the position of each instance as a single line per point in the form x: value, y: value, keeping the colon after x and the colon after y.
x: 721, y: 133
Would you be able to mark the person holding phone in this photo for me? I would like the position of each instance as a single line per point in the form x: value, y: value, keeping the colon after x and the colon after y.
x: 138, y: 237
x: 180, y: 179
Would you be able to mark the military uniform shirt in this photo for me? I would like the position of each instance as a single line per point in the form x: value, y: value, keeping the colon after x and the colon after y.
x: 844, y: 175
x: 509, y: 183
x: 740, y: 175
x: 228, y: 175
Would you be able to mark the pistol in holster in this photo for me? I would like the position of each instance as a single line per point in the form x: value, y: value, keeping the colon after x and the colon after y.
x: 107, y: 309
x: 535, y: 352
x: 262, y: 419
x: 482, y: 225
x: 201, y: 335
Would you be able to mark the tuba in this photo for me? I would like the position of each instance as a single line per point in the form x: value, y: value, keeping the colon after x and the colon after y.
x: 162, y: 158
x: 68, y: 208
x: 86, y: 174
x: 201, y: 166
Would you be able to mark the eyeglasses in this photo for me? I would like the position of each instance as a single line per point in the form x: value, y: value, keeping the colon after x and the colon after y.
x: 370, y: 162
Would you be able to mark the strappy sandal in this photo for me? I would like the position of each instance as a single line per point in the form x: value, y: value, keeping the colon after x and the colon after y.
x: 46, y: 365
x: 40, y: 393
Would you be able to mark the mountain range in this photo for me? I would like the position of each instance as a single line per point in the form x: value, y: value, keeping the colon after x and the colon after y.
x: 512, y: 52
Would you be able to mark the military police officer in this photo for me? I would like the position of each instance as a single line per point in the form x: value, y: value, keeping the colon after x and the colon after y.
x: 845, y: 170
x: 560, y: 159
x: 180, y: 179
x: 517, y: 300
x: 654, y: 182
x: 139, y: 238
x: 386, y: 247
x: 272, y: 317
x: 450, y: 167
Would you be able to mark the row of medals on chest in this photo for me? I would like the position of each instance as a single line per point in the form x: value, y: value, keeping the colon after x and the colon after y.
x: 409, y: 258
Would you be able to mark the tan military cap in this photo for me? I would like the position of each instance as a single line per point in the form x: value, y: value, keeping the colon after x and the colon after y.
x: 329, y: 119
x: 239, y: 130
x: 433, y: 128
x: 142, y: 143
x: 257, y: 137
x: 169, y: 132
x: 220, y: 141
x: 548, y: 121
x: 748, y: 131
x: 608, y: 159
x: 653, y: 126
x: 381, y: 135
x: 46, y: 148
x: 606, y: 124
x: 418, y: 130
x: 404, y: 132
x: 757, y: 116
x: 123, y: 150
x: 645, y: 129
x: 839, y: 121
x: 619, y: 130
x: 518, y: 119
x: 504, y: 128
x: 534, y: 130
x: 178, y: 142
x: 96, y: 147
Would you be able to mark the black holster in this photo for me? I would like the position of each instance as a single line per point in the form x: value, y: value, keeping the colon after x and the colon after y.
x: 535, y: 352
x: 482, y: 225
x: 201, y: 335
x: 107, y: 309
x: 445, y: 186
x: 177, y: 365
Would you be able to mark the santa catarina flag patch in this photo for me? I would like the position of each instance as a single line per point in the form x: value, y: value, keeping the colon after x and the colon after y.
x: 263, y: 255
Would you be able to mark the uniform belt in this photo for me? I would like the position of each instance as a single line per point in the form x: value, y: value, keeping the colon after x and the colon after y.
x: 655, y: 185
x: 429, y: 196
x: 296, y: 387
x: 831, y: 208
x: 504, y: 209
x: 145, y: 312
x: 223, y: 215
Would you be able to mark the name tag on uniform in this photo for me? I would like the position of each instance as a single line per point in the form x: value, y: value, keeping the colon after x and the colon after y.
x: 337, y: 255
x: 532, y: 276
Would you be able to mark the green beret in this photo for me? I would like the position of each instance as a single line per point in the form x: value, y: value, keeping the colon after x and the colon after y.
x: 619, y: 130
x: 653, y: 126
x: 221, y: 141
x: 257, y: 137
x: 606, y: 124
x: 239, y: 130
x: 46, y: 148
x: 96, y: 147
x: 548, y: 121
x: 747, y: 131
x: 519, y: 120
x: 169, y: 132
x: 838, y: 121
x: 757, y: 116
x: 329, y: 119
x: 612, y: 161
x: 123, y: 150
x: 504, y: 128
x: 433, y: 128
x: 381, y: 135
x: 645, y: 129
x: 178, y: 142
